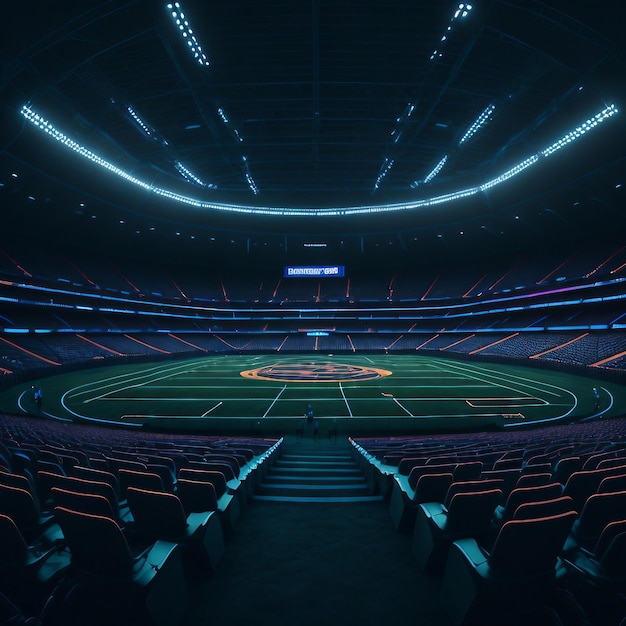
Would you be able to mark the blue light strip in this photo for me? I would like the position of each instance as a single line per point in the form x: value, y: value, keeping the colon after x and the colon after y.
x: 186, y: 33
x: 436, y: 169
x: 44, y: 125
x: 480, y: 121
x: 191, y: 177
x: 461, y: 12
x: 140, y: 123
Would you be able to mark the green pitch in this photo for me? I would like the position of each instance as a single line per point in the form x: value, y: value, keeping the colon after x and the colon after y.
x: 405, y: 392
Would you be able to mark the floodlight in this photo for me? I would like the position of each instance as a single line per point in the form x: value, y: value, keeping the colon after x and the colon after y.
x: 184, y: 28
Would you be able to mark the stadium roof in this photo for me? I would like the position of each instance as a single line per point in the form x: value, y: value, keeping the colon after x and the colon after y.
x: 353, y: 123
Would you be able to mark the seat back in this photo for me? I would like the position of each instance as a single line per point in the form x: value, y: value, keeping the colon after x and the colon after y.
x: 96, y: 543
x: 520, y: 495
x: 533, y: 480
x: 217, y: 479
x: 432, y: 487
x: 609, y: 532
x: 468, y: 470
x: 419, y: 470
x: 599, y: 510
x: 530, y: 547
x: 141, y: 480
x: 87, y: 486
x: 196, y: 496
x: 13, y: 547
x: 471, y: 512
x: 613, y: 559
x: 85, y: 502
x: 98, y: 475
x: 612, y: 483
x: 157, y: 514
x: 467, y: 486
x: 544, y: 508
x: 20, y: 506
x: 580, y: 485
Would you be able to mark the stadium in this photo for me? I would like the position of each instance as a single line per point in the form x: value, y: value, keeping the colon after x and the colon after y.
x: 313, y: 311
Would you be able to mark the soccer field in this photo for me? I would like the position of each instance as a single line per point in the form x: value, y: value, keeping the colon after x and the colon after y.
x: 406, y: 391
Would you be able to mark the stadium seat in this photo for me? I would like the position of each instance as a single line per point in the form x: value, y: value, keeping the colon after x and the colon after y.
x: 196, y: 496
x: 468, y: 515
x: 28, y: 572
x: 599, y: 510
x: 103, y: 564
x: 404, y: 500
x: 140, y: 479
x: 21, y: 506
x: 516, y: 574
x: 521, y: 495
x: 159, y: 515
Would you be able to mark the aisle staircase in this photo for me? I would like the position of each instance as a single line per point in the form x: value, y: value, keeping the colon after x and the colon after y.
x: 311, y: 470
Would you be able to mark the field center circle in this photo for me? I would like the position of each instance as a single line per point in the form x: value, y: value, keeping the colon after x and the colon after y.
x: 315, y: 373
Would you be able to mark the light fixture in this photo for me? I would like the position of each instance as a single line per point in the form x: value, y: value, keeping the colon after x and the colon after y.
x: 461, y: 12
x: 187, y: 34
x: 139, y: 122
x: 190, y: 177
x: 478, y: 123
x: 436, y: 169
x: 40, y: 122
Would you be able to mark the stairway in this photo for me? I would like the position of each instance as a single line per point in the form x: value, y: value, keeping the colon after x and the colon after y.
x: 308, y: 470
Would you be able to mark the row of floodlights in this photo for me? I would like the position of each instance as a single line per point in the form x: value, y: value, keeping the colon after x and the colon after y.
x: 462, y: 11
x: 436, y: 169
x: 387, y: 165
x: 187, y: 34
x: 41, y: 123
x: 478, y: 123
x: 189, y: 176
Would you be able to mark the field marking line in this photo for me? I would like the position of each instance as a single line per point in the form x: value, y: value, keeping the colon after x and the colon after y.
x: 545, y: 384
x: 474, y: 375
x: 403, y: 407
x: 280, y: 393
x: 128, y: 376
x: 120, y: 389
x: 212, y: 409
x: 345, y: 400
x: 516, y: 378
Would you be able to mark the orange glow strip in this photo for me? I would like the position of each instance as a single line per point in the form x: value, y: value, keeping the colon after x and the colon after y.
x: 38, y: 356
x: 99, y: 345
x: 224, y: 290
x: 609, y: 359
x: 19, y: 267
x: 193, y: 345
x: 147, y: 345
x: 502, y: 278
x: 393, y: 343
x: 429, y: 289
x: 128, y: 280
x: 480, y: 280
x: 456, y: 343
x: 427, y: 341
x: 351, y: 344
x: 180, y: 291
x: 618, y: 269
x: 91, y: 282
x: 557, y: 268
x: 495, y: 343
x: 605, y: 262
x: 567, y: 343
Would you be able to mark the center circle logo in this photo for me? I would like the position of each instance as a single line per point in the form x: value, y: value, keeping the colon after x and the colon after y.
x: 315, y: 373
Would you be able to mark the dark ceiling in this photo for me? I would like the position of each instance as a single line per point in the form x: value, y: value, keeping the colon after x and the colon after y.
x: 314, y: 105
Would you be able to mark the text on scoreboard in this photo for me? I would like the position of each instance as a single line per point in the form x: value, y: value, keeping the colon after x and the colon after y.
x: 314, y: 271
